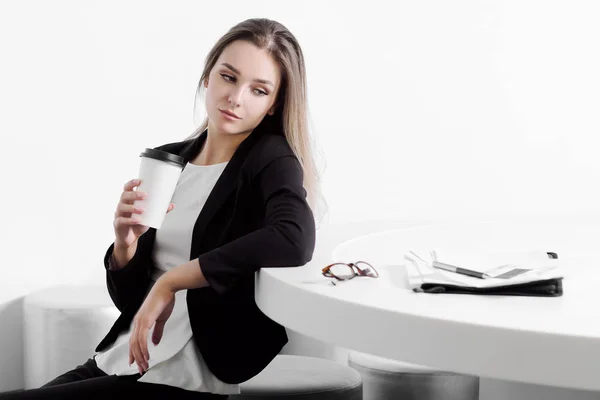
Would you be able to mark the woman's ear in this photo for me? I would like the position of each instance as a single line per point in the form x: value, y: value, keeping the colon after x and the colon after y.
x: 206, y: 83
x: 273, y: 108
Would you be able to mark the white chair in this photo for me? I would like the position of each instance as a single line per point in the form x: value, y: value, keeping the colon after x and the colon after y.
x: 62, y: 326
x: 302, y: 378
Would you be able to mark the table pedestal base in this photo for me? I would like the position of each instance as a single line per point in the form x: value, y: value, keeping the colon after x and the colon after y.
x: 494, y: 389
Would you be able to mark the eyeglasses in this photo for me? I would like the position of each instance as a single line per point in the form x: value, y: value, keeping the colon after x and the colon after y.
x: 347, y: 271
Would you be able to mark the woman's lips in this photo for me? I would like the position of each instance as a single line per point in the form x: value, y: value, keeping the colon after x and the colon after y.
x: 228, y: 116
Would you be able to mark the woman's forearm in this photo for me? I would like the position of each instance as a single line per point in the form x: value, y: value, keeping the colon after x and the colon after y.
x: 184, y: 276
x: 123, y: 254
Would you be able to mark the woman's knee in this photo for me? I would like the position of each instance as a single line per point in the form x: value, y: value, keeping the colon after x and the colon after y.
x: 87, y: 370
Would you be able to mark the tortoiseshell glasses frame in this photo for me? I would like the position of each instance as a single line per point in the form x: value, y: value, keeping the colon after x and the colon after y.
x: 346, y: 271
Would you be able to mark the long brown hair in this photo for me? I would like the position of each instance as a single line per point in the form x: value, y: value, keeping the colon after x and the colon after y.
x: 291, y: 112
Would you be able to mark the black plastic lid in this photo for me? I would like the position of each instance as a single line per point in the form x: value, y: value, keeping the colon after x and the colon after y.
x: 163, y: 156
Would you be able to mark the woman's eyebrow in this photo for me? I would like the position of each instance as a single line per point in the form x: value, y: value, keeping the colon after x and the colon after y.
x: 231, y: 67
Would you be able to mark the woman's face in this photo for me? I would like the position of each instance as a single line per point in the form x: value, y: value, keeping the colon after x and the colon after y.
x: 244, y: 81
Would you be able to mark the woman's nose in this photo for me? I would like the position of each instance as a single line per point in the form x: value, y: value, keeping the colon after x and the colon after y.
x: 235, y: 97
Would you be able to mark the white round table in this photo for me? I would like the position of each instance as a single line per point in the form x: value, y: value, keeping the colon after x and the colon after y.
x: 530, y: 340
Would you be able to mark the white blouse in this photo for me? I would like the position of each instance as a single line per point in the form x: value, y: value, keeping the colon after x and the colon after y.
x: 176, y: 360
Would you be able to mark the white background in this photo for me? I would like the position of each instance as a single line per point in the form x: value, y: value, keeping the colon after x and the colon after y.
x: 429, y: 110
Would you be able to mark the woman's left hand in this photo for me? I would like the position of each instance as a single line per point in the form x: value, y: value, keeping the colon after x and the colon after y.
x: 156, y: 309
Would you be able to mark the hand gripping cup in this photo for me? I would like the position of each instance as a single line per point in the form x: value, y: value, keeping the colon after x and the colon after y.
x: 159, y: 174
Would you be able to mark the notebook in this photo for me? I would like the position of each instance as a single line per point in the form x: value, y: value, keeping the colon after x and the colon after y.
x: 534, y: 273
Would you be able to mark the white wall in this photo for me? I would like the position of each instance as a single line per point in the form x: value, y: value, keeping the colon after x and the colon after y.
x: 422, y: 110
x: 428, y: 109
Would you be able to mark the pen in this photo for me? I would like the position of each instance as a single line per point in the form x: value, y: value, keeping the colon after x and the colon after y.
x: 458, y: 270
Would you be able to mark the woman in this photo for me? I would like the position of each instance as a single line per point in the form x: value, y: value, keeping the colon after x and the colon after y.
x: 189, y: 325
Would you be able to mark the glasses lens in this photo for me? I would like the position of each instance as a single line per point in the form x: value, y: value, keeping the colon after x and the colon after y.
x: 367, y: 269
x: 342, y: 271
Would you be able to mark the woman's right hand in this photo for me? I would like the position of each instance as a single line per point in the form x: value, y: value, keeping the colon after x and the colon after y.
x: 126, y: 225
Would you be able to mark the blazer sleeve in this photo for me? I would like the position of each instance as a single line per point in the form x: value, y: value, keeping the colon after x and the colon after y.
x: 286, y: 240
x: 128, y: 284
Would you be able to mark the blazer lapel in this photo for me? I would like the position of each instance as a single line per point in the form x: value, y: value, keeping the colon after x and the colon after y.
x: 226, y: 183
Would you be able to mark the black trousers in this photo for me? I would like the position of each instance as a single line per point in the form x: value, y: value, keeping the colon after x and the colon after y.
x: 87, y: 381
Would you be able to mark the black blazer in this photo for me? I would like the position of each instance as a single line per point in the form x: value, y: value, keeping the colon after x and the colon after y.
x: 255, y: 217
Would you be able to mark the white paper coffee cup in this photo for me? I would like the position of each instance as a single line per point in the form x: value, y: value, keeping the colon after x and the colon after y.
x: 159, y: 174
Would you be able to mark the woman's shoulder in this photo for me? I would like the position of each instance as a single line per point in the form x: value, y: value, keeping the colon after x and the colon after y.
x: 269, y: 148
x: 274, y: 146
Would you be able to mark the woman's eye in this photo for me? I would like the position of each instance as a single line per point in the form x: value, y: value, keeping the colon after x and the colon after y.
x: 230, y: 78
